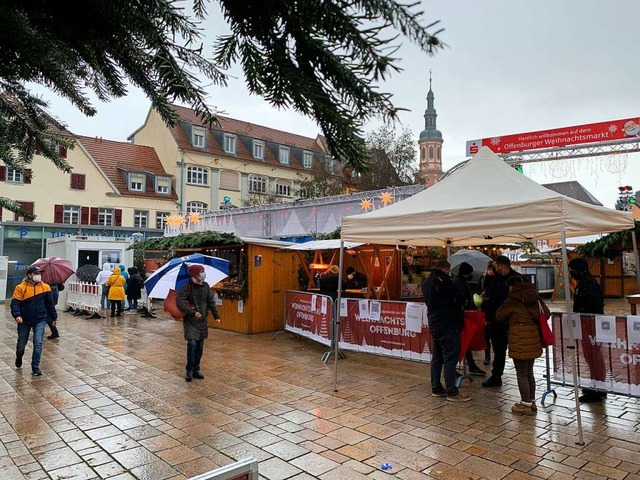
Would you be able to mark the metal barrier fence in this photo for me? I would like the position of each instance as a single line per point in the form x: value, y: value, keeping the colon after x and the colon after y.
x: 84, y: 298
x: 243, y: 470
x: 607, y: 351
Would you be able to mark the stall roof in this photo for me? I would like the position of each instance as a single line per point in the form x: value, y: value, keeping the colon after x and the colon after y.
x: 484, y: 202
x: 265, y: 242
x: 322, y: 245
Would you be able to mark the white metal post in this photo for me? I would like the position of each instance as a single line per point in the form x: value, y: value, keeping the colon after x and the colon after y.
x: 336, y: 317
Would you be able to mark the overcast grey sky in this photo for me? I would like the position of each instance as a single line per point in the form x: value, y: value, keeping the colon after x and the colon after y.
x: 511, y: 66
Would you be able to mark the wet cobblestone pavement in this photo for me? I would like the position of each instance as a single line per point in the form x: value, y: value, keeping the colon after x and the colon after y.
x: 113, y: 404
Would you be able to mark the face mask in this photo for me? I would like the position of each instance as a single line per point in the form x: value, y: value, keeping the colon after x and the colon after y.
x: 350, y: 276
x: 36, y: 278
x: 202, y: 275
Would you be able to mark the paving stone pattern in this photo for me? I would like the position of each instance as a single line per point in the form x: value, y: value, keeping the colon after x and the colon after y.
x: 113, y: 404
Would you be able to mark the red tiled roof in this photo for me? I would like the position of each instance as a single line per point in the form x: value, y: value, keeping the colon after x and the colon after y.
x: 114, y: 157
x: 247, y: 129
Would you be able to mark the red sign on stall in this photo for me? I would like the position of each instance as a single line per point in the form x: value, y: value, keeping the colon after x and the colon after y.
x: 308, y: 315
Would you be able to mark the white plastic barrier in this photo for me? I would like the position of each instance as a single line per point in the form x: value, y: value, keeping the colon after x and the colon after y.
x: 242, y: 470
x: 84, y: 298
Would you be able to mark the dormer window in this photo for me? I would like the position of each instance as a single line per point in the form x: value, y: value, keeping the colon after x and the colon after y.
x: 230, y: 142
x: 284, y: 155
x: 198, y: 135
x: 307, y: 159
x: 163, y: 185
x: 258, y: 149
x: 136, y: 182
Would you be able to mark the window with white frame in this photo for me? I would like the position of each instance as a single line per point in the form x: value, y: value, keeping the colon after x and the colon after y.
x: 198, y: 135
x: 199, y: 207
x: 136, y: 182
x: 284, y: 155
x: 307, y: 159
x: 140, y: 218
x: 14, y: 176
x: 71, y: 215
x: 161, y: 219
x: 163, y: 185
x: 230, y: 142
x: 283, y: 188
x: 257, y: 184
x: 258, y: 149
x: 229, y: 180
x: 105, y: 217
x: 197, y: 176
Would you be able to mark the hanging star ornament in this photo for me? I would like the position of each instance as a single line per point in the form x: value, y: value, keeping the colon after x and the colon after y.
x: 386, y: 198
x: 366, y: 204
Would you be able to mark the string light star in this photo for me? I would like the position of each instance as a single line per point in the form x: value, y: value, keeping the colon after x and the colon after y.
x: 386, y: 198
x: 194, y: 217
x: 366, y: 204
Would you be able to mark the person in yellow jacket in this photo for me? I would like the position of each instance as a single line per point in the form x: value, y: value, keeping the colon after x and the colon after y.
x: 116, y: 283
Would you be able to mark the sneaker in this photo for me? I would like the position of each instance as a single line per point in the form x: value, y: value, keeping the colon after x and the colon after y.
x: 36, y: 372
x: 198, y: 374
x: 475, y: 370
x: 520, y: 409
x: 54, y: 336
x: 439, y: 393
x: 459, y: 397
x: 18, y: 362
x: 492, y: 382
x: 188, y: 377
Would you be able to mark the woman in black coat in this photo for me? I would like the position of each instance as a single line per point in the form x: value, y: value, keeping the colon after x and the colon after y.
x: 134, y: 286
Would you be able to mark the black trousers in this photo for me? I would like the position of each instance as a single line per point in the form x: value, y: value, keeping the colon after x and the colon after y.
x: 54, y: 329
x: 499, y: 341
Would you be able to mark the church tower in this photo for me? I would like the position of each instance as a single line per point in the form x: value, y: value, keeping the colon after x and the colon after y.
x: 430, y: 143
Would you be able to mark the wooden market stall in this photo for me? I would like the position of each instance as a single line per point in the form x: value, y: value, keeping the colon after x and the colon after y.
x: 251, y: 299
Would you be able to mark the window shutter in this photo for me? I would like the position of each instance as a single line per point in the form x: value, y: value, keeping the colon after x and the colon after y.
x: 27, y: 207
x: 74, y: 181
x: 118, y: 217
x: 78, y: 181
x: 62, y: 151
x: 37, y: 151
x: 27, y: 175
x: 93, y: 216
x: 81, y: 182
x: 3, y: 173
x: 58, y: 211
x: 84, y: 216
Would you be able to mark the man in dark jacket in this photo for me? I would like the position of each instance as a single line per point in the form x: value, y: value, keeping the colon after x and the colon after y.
x: 445, y: 313
x: 195, y: 300
x: 461, y: 281
x: 588, y: 299
x: 31, y: 303
x: 495, y: 294
x: 355, y: 279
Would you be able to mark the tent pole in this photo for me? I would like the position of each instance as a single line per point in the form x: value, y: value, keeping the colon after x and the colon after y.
x: 336, y: 318
x: 572, y: 341
x: 635, y: 256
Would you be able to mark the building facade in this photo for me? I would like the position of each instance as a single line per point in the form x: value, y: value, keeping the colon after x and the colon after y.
x: 430, y: 144
x: 231, y: 164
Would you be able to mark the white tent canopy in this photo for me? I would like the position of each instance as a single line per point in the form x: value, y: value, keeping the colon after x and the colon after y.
x: 333, y: 244
x: 484, y: 202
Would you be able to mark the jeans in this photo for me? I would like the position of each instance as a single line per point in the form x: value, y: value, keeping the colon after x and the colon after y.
x: 133, y: 303
x: 446, y: 346
x: 499, y: 341
x: 38, y: 337
x: 526, y: 380
x: 116, y: 305
x: 194, y: 354
x: 104, y: 302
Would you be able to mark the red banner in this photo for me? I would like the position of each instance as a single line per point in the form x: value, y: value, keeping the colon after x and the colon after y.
x: 308, y: 315
x: 386, y: 336
x: 612, y: 366
x: 559, y: 137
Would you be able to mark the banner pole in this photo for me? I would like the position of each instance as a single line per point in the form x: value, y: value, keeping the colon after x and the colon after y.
x: 572, y: 341
x: 336, y: 317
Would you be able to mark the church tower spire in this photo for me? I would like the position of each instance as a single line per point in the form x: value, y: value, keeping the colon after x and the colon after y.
x: 430, y: 143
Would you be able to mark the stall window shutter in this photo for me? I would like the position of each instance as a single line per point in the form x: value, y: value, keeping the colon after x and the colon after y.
x: 93, y: 216
x: 28, y: 173
x: 118, y: 216
x: 57, y: 213
x: 3, y: 173
x: 84, y: 216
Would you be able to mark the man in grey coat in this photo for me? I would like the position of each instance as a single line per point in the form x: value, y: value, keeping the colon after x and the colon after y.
x: 195, y: 300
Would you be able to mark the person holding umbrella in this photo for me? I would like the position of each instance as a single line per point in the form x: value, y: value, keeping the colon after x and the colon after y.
x: 195, y: 300
x: 31, y: 303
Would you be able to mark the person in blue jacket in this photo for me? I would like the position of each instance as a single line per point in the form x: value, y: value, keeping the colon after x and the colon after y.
x: 31, y: 305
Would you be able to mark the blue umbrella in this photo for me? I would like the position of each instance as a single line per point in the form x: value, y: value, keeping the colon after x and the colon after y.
x: 173, y: 275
